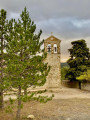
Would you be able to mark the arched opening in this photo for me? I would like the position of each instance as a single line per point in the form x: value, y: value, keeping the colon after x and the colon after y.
x: 55, y: 48
x: 49, y: 48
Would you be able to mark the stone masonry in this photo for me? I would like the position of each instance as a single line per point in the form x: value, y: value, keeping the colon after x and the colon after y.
x: 52, y: 47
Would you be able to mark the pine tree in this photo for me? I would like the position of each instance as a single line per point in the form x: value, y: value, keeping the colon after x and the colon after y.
x: 3, y: 45
x: 25, y: 68
x: 79, y: 59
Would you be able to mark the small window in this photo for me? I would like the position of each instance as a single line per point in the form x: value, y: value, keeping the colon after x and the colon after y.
x: 49, y: 48
x: 55, y: 48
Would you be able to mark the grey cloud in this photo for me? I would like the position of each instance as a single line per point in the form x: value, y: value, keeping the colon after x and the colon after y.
x: 58, y: 16
x: 68, y: 19
x: 66, y: 27
x: 46, y: 9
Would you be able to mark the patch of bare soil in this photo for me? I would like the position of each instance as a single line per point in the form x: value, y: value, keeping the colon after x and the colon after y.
x: 60, y: 108
x: 64, y: 109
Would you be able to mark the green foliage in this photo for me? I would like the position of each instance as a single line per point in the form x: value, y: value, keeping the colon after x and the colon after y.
x: 26, y: 98
x: 85, y: 76
x: 24, y: 67
x: 41, y: 91
x: 43, y: 99
x: 20, y: 66
x: 34, y: 96
x: 11, y: 101
x: 3, y: 56
x: 79, y: 59
x: 63, y: 72
x: 9, y: 109
x: 21, y: 106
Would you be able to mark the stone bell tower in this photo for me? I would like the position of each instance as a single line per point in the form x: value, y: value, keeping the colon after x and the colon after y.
x: 52, y: 47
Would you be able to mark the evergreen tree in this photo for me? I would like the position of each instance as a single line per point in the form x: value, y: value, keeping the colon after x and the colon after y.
x: 79, y: 59
x: 25, y: 68
x: 3, y: 45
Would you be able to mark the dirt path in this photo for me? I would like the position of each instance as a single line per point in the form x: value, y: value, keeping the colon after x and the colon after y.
x: 64, y: 109
x: 62, y: 93
x: 67, y: 93
x: 68, y: 104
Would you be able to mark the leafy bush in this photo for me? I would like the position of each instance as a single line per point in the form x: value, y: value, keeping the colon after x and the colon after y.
x: 85, y: 76
x: 63, y: 72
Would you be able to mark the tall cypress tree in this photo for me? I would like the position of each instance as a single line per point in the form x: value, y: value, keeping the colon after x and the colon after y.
x: 25, y: 68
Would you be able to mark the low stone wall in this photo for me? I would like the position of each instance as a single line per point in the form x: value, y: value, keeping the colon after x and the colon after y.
x: 75, y: 84
x: 53, y: 79
x: 69, y: 84
x: 85, y: 86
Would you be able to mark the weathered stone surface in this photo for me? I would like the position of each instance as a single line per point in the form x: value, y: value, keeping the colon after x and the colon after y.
x: 53, y: 59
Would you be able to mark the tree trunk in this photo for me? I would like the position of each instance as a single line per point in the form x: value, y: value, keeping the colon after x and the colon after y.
x: 19, y: 104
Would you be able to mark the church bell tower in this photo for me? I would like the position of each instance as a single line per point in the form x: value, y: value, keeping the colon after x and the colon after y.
x: 52, y: 47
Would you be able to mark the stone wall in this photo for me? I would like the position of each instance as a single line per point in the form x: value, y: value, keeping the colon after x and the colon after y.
x: 54, y: 76
x: 85, y: 86
x: 69, y: 84
x: 75, y: 84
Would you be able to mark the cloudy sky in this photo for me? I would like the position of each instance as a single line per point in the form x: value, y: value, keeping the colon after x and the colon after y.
x: 69, y: 20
